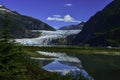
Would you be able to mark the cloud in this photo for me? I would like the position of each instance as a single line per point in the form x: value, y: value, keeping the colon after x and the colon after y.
x: 68, y: 5
x: 56, y: 15
x: 54, y: 19
x: 66, y: 18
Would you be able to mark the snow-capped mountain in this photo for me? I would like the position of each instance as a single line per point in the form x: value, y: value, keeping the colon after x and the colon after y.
x: 4, y: 9
x: 20, y: 26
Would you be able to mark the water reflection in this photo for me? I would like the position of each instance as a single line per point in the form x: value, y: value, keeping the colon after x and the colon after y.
x: 62, y: 64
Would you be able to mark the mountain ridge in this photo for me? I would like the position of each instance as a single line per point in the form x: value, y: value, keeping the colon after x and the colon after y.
x: 20, y: 26
x: 98, y: 29
x: 73, y: 27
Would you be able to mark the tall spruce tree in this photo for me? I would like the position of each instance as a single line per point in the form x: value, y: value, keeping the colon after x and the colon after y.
x: 10, y: 56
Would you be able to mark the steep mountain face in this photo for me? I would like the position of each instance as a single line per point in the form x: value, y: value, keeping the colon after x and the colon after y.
x: 102, y: 29
x: 73, y: 27
x: 20, y: 26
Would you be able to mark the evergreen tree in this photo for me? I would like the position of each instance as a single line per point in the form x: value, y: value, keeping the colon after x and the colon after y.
x: 14, y: 65
x: 10, y: 57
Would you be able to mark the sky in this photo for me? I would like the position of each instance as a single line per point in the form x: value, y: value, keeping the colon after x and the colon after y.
x: 57, y: 13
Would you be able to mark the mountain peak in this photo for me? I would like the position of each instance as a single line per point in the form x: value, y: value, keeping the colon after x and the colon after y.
x: 1, y: 5
x: 3, y: 9
x: 20, y: 25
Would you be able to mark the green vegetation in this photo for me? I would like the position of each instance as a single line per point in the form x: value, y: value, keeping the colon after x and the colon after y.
x: 75, y: 50
x: 20, y: 67
x: 19, y: 25
x: 103, y: 28
x: 111, y: 37
x: 15, y: 64
x: 10, y: 58
x: 100, y: 63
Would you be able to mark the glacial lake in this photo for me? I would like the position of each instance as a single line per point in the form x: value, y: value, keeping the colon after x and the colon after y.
x: 62, y: 64
x: 98, y: 66
x: 101, y: 66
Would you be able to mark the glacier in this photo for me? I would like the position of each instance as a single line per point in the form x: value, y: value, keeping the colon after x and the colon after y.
x: 46, y: 37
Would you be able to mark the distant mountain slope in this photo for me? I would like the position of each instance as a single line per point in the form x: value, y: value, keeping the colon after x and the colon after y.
x: 21, y: 25
x: 73, y: 27
x: 102, y: 29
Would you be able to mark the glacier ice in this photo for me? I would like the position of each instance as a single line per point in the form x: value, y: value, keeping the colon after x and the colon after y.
x: 46, y: 37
